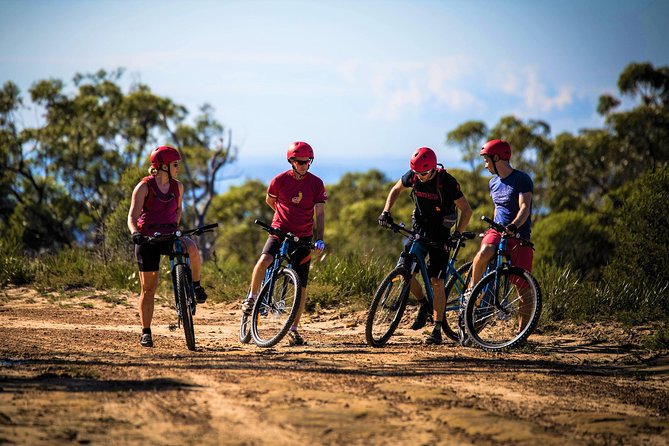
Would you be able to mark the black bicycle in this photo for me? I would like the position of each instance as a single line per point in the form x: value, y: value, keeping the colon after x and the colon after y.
x: 182, y: 281
x: 387, y: 308
x: 278, y: 301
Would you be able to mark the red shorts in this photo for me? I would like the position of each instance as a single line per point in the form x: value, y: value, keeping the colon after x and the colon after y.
x: 521, y: 255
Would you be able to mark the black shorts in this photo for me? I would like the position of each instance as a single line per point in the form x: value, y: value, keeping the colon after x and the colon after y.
x: 437, y: 258
x: 148, y: 255
x: 437, y: 261
x: 300, y: 260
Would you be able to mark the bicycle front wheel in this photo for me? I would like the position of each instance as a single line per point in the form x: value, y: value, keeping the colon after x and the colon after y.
x: 387, y: 307
x: 184, y: 296
x: 454, y: 289
x: 245, y: 328
x: 503, y: 309
x: 275, y: 309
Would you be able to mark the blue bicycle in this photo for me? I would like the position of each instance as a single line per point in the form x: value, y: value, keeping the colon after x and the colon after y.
x: 386, y: 311
x: 278, y: 301
x: 505, y: 305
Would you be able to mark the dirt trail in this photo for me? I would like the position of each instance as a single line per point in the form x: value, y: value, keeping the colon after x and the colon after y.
x: 72, y: 372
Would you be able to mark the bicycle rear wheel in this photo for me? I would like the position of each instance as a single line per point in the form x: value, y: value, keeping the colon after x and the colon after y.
x: 184, y: 297
x: 454, y: 288
x: 387, y: 307
x: 504, y: 309
x: 273, y: 313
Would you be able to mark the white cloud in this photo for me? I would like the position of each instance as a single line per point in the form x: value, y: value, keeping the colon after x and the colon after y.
x: 536, y: 98
x: 394, y: 103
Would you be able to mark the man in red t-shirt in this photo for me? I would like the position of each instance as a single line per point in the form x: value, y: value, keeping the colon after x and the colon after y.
x: 294, y: 195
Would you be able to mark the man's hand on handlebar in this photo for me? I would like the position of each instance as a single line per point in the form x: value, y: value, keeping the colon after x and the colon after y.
x: 385, y: 219
x: 512, y: 229
x: 319, y: 245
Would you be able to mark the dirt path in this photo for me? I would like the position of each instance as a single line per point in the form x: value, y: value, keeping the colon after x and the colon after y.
x: 72, y: 372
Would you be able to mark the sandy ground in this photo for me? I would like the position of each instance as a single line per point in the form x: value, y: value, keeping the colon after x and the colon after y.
x: 72, y: 372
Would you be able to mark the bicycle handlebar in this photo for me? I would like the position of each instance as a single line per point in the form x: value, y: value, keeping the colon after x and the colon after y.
x: 500, y: 228
x: 416, y: 236
x: 175, y: 235
x: 289, y: 235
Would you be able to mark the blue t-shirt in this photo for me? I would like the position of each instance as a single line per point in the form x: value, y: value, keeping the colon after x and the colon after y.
x: 505, y: 194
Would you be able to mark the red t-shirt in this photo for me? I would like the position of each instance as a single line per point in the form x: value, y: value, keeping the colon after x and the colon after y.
x: 295, y: 201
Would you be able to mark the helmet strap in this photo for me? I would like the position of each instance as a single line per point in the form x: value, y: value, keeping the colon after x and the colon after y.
x: 494, y: 160
x: 296, y: 174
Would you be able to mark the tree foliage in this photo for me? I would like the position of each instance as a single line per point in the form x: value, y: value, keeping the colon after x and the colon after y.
x: 64, y: 173
x: 641, y: 255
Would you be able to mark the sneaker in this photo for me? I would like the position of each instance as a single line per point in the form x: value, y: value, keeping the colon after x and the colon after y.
x: 145, y: 340
x: 247, y: 306
x: 435, y: 337
x: 294, y: 338
x: 422, y: 317
x: 200, y: 295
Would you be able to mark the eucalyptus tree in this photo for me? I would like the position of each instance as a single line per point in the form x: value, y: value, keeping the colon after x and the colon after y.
x: 68, y: 165
x: 469, y: 137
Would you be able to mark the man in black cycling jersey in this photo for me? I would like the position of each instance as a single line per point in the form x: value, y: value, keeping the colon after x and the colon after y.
x: 438, y: 197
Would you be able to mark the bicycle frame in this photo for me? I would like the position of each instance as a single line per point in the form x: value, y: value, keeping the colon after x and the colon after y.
x: 502, y: 260
x: 289, y: 241
x: 417, y: 250
x: 270, y: 274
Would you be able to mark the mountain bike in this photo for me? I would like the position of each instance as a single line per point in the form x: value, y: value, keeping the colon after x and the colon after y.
x: 182, y: 281
x: 278, y: 301
x: 505, y: 305
x: 386, y: 311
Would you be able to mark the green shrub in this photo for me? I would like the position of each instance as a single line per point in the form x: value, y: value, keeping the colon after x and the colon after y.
x: 572, y: 239
x: 640, y: 264
x: 658, y: 340
x: 351, y: 275
x: 15, y: 267
x: 565, y: 295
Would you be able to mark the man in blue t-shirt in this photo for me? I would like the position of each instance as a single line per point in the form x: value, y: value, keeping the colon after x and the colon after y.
x: 511, y: 191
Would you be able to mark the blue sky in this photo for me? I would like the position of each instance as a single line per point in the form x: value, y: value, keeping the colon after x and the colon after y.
x: 365, y: 82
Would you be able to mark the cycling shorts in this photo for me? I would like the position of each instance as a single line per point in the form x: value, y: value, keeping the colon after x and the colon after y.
x: 300, y: 260
x: 436, y: 260
x: 521, y: 255
x: 148, y: 255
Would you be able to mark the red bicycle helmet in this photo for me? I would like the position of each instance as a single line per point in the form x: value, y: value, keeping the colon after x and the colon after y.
x: 164, y: 155
x: 496, y: 147
x: 423, y: 159
x: 300, y: 149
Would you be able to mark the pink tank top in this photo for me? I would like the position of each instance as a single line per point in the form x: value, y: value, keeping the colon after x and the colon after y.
x: 159, y: 212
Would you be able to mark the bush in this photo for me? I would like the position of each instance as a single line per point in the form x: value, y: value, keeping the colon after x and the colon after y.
x: 78, y: 268
x: 565, y: 295
x: 640, y: 263
x: 15, y: 268
x: 573, y: 240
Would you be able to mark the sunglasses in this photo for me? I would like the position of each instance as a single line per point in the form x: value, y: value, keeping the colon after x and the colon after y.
x: 422, y: 174
x: 301, y: 162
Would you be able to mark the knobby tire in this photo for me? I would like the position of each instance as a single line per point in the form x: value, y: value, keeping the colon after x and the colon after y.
x: 274, y: 313
x: 493, y: 329
x: 184, y: 291
x: 387, y: 307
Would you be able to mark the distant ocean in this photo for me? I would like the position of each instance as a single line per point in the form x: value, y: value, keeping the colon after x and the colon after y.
x: 329, y: 170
